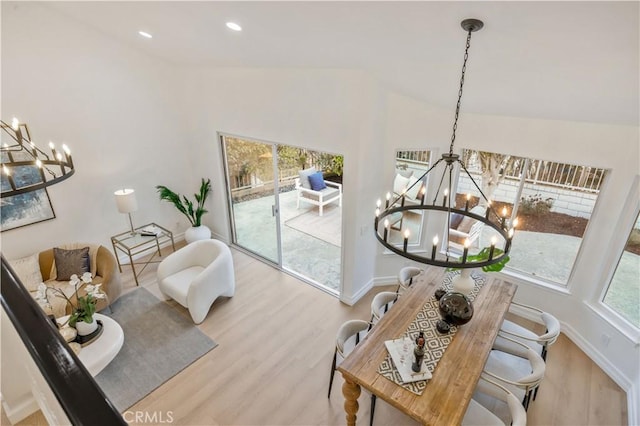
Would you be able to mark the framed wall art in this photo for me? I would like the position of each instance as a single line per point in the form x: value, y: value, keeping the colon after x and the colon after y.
x: 28, y: 208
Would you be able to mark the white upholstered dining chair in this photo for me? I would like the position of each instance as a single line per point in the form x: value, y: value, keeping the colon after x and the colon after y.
x: 381, y: 304
x: 406, y: 276
x: 538, y: 342
x: 520, y: 375
x: 196, y: 275
x: 478, y: 414
x: 349, y: 335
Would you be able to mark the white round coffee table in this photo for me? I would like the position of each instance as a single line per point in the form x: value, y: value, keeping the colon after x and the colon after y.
x: 98, y: 354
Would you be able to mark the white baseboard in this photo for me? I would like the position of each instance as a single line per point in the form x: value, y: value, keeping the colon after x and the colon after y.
x: 26, y: 407
x: 359, y: 294
x: 382, y: 281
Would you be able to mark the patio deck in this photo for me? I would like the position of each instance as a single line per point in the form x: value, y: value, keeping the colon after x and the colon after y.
x: 311, y: 245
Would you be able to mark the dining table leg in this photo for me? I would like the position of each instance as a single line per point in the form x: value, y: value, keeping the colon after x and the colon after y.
x: 351, y: 392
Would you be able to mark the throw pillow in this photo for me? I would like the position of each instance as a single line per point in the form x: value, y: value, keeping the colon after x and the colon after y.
x: 317, y: 181
x: 69, y: 262
x: 93, y: 257
x: 304, y: 176
x: 400, y: 184
x: 28, y: 271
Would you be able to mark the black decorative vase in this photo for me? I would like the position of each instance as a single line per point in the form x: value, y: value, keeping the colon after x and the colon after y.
x: 455, y: 309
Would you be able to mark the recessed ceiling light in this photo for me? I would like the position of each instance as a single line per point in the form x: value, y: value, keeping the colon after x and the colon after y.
x: 234, y: 26
x: 145, y: 34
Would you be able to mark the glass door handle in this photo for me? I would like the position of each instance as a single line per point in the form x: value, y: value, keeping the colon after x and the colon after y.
x: 274, y: 210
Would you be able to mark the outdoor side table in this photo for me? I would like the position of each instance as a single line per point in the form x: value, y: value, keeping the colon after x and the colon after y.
x: 135, y: 244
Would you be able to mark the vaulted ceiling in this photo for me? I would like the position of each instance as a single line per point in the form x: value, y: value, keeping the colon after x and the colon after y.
x: 554, y: 60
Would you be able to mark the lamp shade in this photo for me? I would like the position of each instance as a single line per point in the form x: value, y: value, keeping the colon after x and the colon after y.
x: 126, y: 200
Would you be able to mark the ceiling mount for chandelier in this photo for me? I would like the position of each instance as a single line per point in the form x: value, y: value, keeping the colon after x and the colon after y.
x: 26, y: 167
x: 438, y: 205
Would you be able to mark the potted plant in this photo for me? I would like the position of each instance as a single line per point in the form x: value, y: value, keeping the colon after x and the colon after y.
x: 198, y: 231
x: 82, y: 310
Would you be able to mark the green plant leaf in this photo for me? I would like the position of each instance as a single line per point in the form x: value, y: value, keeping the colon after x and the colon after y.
x: 184, y: 205
x: 483, y: 255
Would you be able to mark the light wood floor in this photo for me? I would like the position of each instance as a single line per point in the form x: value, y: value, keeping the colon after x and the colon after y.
x: 276, y: 340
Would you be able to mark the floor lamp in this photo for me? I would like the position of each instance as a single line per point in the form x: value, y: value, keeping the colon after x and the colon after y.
x: 127, y: 203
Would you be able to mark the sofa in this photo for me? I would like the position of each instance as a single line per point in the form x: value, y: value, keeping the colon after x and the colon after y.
x: 41, y: 268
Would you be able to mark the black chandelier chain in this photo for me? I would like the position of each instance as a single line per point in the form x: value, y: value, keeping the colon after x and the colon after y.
x: 464, y: 69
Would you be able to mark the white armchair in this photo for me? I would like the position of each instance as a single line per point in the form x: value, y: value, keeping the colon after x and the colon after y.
x: 196, y: 275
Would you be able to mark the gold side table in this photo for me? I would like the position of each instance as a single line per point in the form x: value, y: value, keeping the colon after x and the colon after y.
x: 133, y: 244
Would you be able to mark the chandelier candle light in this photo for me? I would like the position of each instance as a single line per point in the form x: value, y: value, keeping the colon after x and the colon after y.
x: 22, y: 153
x: 446, y: 203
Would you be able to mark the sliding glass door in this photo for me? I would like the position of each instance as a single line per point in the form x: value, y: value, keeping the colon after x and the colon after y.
x: 277, y: 217
x: 250, y: 174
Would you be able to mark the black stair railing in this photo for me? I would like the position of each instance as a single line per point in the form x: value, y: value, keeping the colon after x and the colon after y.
x: 78, y: 394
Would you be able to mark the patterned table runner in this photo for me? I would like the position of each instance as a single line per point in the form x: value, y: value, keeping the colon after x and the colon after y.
x: 436, y: 343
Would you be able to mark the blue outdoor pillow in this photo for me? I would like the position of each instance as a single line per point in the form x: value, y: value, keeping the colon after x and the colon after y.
x: 316, y: 181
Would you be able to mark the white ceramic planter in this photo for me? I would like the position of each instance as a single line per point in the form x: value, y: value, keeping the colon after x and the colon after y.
x: 196, y: 233
x: 84, y: 329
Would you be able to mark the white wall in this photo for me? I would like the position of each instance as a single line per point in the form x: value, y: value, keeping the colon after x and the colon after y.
x: 120, y: 112
x: 326, y: 110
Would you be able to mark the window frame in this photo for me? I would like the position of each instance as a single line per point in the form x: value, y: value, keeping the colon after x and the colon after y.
x: 510, y: 271
x: 417, y: 245
x: 626, y: 223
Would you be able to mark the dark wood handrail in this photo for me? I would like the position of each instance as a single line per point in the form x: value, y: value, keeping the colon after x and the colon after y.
x: 78, y: 394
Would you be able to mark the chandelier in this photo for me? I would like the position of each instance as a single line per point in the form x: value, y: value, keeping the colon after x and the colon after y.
x: 26, y: 167
x: 442, y: 206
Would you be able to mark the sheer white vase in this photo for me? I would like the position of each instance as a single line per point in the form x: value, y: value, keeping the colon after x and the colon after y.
x: 196, y: 233
x: 463, y: 283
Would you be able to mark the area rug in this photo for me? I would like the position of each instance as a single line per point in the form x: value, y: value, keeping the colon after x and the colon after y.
x: 326, y: 228
x: 158, y: 344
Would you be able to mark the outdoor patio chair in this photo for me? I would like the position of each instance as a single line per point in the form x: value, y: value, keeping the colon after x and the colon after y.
x: 465, y: 228
x: 313, y: 189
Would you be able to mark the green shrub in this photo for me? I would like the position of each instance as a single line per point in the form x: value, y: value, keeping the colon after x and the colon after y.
x: 634, y: 237
x: 535, y: 204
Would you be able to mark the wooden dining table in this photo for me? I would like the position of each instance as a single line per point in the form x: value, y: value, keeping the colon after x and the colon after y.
x: 447, y: 394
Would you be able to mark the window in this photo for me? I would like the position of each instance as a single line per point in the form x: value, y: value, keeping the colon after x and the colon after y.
x: 409, y: 167
x: 624, y: 289
x: 552, y: 201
